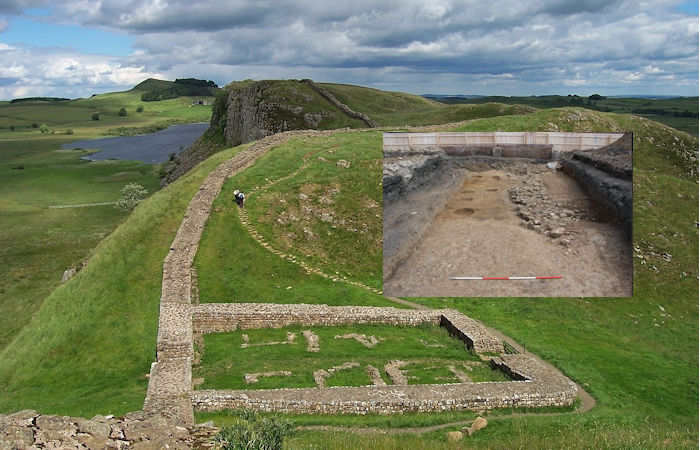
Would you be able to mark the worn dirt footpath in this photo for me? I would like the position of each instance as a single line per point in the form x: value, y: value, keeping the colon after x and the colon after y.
x: 479, y: 233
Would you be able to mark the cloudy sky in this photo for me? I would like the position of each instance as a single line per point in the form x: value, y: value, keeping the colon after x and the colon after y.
x: 74, y: 48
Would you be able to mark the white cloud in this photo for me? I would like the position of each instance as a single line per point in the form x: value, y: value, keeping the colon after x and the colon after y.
x: 537, y: 44
x: 37, y: 72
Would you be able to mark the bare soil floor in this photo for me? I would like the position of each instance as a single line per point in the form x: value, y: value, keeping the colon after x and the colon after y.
x: 480, y: 233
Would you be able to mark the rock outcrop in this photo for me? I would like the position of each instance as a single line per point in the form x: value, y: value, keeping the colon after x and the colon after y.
x: 250, y: 110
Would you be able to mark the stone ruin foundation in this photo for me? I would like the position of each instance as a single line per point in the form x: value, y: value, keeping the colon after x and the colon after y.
x: 535, y: 384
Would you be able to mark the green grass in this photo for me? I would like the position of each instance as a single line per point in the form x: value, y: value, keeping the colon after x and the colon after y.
x: 667, y: 110
x: 89, y: 347
x: 640, y: 362
x: 232, y: 267
x: 349, y: 246
x: 76, y: 115
x: 398, y: 108
x: 37, y: 243
x: 224, y: 363
x: 91, y: 343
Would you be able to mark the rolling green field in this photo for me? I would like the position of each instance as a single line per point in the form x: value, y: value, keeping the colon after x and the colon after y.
x: 91, y: 341
x: 680, y: 112
x: 38, y: 241
x: 398, y: 108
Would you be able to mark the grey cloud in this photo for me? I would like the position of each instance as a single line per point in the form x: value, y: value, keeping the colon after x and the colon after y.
x: 530, y: 44
x: 16, y: 6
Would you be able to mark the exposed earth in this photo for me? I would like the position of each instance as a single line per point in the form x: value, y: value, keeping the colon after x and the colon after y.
x: 511, y: 219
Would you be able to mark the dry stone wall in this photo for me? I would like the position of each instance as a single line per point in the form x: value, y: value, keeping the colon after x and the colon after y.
x: 342, y: 106
x: 222, y: 317
x: 539, y: 387
x: 170, y: 380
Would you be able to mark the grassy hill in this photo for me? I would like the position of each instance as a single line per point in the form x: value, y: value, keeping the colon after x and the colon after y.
x: 680, y: 112
x: 24, y: 118
x: 91, y: 343
x: 85, y: 347
x: 39, y: 242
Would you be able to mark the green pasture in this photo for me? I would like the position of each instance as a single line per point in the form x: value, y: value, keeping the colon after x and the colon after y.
x: 224, y: 363
x: 398, y: 108
x: 17, y: 119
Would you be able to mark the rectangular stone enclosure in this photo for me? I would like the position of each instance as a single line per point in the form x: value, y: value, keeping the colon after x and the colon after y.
x: 536, y: 385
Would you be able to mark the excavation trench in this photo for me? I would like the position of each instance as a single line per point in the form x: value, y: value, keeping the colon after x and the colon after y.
x: 499, y: 217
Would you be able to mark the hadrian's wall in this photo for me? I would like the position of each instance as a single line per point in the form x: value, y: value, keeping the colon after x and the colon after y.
x: 222, y: 317
x: 539, y: 387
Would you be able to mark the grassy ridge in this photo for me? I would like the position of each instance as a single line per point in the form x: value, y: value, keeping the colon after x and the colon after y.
x: 89, y: 347
x: 669, y: 111
x: 336, y: 227
x: 398, y: 108
x: 38, y: 243
x: 16, y: 119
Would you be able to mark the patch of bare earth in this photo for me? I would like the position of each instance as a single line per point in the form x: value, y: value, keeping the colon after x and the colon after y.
x: 526, y: 221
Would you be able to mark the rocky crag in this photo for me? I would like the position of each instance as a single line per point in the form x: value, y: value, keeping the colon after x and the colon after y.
x: 250, y: 110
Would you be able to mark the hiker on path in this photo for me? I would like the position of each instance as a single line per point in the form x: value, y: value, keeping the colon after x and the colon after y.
x: 239, y: 197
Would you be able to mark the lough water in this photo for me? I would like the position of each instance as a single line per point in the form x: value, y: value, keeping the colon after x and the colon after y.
x: 149, y: 148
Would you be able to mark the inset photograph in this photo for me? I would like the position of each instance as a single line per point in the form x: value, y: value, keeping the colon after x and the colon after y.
x: 507, y: 214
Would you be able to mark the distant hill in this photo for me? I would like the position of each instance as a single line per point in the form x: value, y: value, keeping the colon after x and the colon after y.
x: 677, y: 112
x: 155, y: 90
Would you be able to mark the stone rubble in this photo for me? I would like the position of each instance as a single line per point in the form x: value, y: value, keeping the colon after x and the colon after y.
x: 253, y: 377
x: 321, y: 375
x: 393, y: 370
x: 368, y: 342
x: 312, y: 341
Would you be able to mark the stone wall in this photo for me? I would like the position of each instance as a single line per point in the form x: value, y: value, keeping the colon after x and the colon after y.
x: 342, y: 106
x: 170, y: 379
x: 605, y: 175
x: 540, y: 387
x: 222, y: 317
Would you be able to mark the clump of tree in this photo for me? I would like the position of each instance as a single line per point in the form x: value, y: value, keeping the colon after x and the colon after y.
x: 44, y: 128
x: 132, y: 195
x: 139, y: 109
x: 595, y: 97
x: 182, y: 87
x: 39, y: 99
x: 122, y: 112
x: 196, y: 82
x: 95, y: 116
x: 250, y: 431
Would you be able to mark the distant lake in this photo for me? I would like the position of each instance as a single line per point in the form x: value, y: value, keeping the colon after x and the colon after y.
x: 149, y: 148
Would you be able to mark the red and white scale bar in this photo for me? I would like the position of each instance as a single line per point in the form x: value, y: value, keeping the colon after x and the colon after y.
x: 503, y: 278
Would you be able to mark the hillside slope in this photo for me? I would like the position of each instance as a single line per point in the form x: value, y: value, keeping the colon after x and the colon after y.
x: 89, y: 347
x: 249, y: 110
